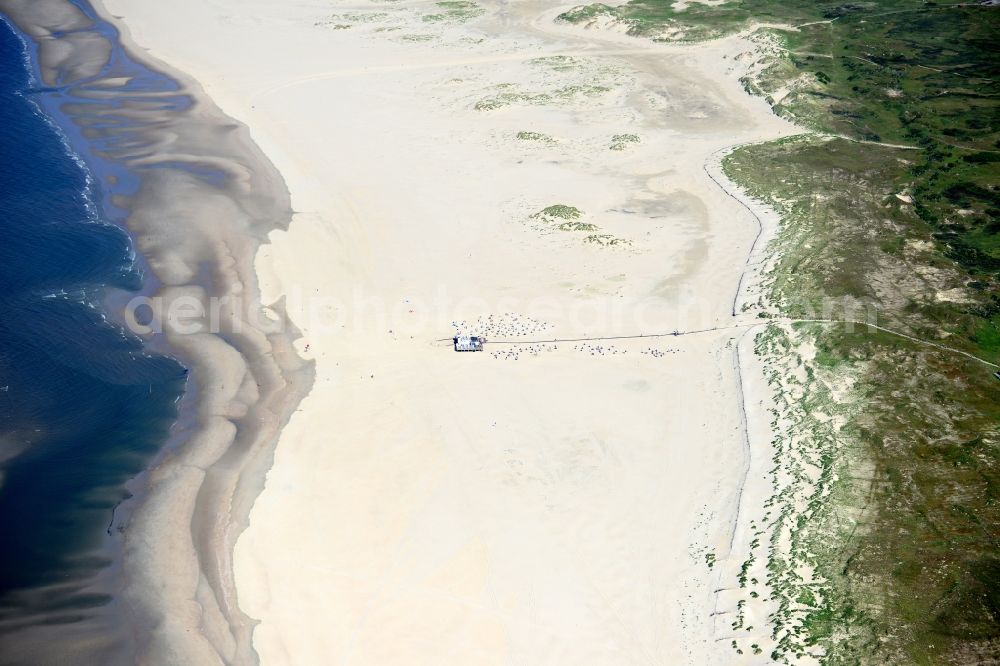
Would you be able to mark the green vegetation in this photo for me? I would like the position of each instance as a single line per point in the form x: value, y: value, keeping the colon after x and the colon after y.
x: 849, y: 235
x: 577, y: 226
x: 930, y: 424
x: 559, y: 63
x: 894, y: 453
x: 622, y: 141
x: 503, y: 99
x: 457, y: 11
x: 331, y: 25
x: 350, y: 19
x: 534, y: 136
x: 580, y: 89
x: 606, y: 240
x: 508, y: 97
x: 559, y: 211
x: 567, y: 218
x: 893, y: 203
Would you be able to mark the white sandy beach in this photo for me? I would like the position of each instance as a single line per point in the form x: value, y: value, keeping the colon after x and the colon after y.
x: 534, y: 504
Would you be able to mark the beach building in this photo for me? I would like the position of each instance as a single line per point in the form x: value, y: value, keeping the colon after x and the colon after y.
x: 468, y: 343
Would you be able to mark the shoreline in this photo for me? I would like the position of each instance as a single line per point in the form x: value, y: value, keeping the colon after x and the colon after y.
x: 209, y: 470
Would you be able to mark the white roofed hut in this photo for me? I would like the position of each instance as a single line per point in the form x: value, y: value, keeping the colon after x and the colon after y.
x: 465, y: 343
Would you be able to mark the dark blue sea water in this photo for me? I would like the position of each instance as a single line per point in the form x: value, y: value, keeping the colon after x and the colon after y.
x: 83, y: 408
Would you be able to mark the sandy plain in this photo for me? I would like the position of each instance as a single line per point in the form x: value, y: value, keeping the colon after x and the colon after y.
x: 541, y: 502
